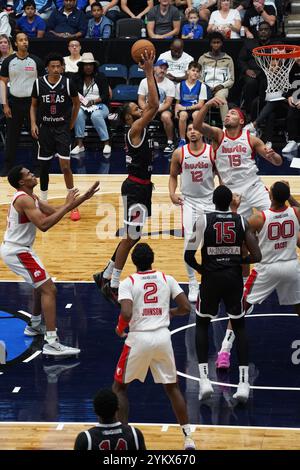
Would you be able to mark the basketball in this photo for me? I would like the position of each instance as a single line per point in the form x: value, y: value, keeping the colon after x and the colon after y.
x: 139, y: 47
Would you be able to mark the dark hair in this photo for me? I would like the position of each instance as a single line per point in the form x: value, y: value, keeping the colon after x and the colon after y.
x: 264, y: 23
x: 280, y: 192
x: 17, y: 34
x: 106, y: 404
x: 96, y: 4
x: 215, y: 35
x: 123, y: 112
x: 222, y: 197
x: 29, y: 3
x: 142, y: 256
x: 194, y: 65
x: 54, y: 56
x: 82, y: 64
x: 193, y: 11
x: 15, y: 175
x: 73, y: 39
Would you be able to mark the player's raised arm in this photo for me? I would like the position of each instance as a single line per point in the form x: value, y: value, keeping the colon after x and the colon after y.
x: 213, y: 133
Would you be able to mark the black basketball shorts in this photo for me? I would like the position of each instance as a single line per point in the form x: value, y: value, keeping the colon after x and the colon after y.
x: 136, y: 203
x: 54, y: 140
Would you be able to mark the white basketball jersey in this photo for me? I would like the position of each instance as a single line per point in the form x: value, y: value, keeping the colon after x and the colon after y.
x: 234, y: 159
x: 197, y: 177
x: 278, y: 236
x: 19, y: 229
x: 150, y: 292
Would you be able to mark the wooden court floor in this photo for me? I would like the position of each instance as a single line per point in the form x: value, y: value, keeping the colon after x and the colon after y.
x: 72, y: 251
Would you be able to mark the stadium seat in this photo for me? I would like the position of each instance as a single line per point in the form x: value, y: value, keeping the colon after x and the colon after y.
x: 129, y: 28
x: 135, y: 74
x: 115, y: 73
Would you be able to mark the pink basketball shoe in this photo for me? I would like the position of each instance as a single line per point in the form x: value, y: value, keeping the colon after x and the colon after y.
x: 223, y: 360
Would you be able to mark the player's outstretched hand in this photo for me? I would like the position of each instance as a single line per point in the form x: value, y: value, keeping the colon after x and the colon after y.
x: 147, y: 61
x: 236, y: 201
x: 72, y: 196
x: 215, y: 102
x: 91, y: 191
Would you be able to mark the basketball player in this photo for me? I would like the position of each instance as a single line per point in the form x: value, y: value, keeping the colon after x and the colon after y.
x: 277, y: 230
x: 26, y: 214
x: 221, y: 235
x: 54, y: 108
x: 137, y: 188
x: 109, y: 433
x: 194, y: 163
x: 235, y: 150
x: 145, y: 308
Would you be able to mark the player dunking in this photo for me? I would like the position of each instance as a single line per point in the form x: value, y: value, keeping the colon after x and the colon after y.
x: 194, y: 163
x: 145, y: 307
x: 26, y: 214
x: 109, y: 434
x: 221, y: 235
x: 137, y: 188
x: 54, y: 108
x: 235, y: 150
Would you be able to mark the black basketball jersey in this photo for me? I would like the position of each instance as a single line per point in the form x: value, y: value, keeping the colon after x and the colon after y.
x: 54, y: 101
x: 223, y: 238
x: 139, y: 158
x: 115, y: 436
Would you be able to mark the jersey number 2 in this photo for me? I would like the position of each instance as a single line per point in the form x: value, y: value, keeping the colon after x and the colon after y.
x: 151, y: 289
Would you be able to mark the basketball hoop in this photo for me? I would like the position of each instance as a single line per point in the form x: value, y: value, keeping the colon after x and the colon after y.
x: 276, y: 61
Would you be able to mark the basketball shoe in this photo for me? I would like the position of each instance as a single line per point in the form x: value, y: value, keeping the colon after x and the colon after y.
x: 58, y: 349
x: 34, y: 330
x: 189, y: 444
x: 223, y: 360
x: 206, y: 389
x: 242, y: 393
x: 193, y: 291
x: 75, y: 215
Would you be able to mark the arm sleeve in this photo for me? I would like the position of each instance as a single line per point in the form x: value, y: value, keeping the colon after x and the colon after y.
x: 174, y: 287
x: 81, y: 442
x: 125, y: 290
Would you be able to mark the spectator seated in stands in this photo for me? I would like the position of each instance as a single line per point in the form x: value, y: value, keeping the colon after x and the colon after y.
x: 217, y: 70
x: 44, y: 8
x: 99, y: 27
x: 190, y: 96
x: 253, y: 77
x: 5, y: 48
x: 5, y: 27
x: 94, y: 97
x: 166, y: 90
x: 163, y: 21
x: 204, y: 7
x: 72, y: 60
x: 192, y: 29
x: 80, y: 4
x: 257, y: 13
x: 178, y: 61
x: 293, y: 117
x: 136, y: 9
x: 225, y: 20
x: 110, y: 9
x: 31, y: 24
x: 69, y: 22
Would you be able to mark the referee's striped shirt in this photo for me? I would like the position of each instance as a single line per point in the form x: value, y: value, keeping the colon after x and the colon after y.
x: 22, y: 73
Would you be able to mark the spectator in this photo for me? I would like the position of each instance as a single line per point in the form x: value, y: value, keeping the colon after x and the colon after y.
x: 293, y: 117
x: 253, y: 77
x: 31, y: 24
x: 43, y: 7
x: 69, y: 22
x: 20, y: 70
x: 80, y: 4
x: 163, y: 21
x: 192, y: 30
x: 256, y: 14
x: 5, y: 27
x: 178, y: 61
x: 94, y: 97
x: 99, y: 26
x: 226, y: 20
x: 110, y: 9
x: 166, y: 90
x: 217, y: 70
x: 101, y: 437
x: 72, y: 60
x: 134, y: 9
x: 204, y: 7
x: 191, y: 95
x: 5, y: 48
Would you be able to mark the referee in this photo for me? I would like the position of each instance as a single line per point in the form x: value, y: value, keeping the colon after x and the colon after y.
x: 20, y: 70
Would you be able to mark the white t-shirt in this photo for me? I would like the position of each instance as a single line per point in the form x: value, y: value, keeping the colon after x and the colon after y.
x: 218, y: 20
x: 177, y: 67
x: 71, y: 65
x: 166, y: 88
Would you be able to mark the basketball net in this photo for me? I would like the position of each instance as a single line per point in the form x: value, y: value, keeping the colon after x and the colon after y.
x: 276, y: 61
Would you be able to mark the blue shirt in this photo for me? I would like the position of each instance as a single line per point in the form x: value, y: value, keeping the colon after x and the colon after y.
x: 31, y: 29
x: 191, y: 96
x: 196, y: 29
x: 74, y: 23
x: 81, y: 4
x: 101, y: 30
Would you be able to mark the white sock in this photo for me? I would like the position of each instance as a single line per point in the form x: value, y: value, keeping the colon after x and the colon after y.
x: 44, y: 195
x: 109, y: 270
x: 170, y: 141
x: 35, y: 320
x: 191, y: 274
x: 203, y: 370
x: 186, y: 429
x: 244, y: 374
x: 51, y: 337
x: 228, y: 341
x: 115, y: 278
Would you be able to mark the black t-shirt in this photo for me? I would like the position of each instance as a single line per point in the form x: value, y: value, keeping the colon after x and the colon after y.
x: 139, y: 159
x: 115, y: 436
x: 137, y: 6
x: 223, y: 238
x: 54, y: 101
x: 252, y: 18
